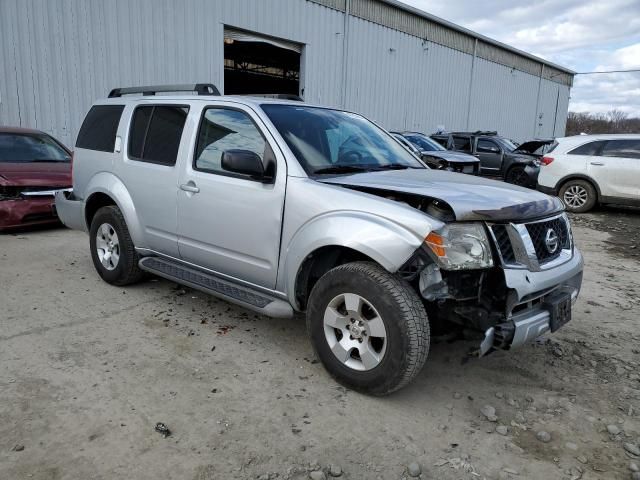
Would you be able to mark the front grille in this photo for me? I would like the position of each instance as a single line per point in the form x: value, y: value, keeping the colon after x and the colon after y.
x: 512, y: 241
x: 504, y: 243
x: 538, y: 232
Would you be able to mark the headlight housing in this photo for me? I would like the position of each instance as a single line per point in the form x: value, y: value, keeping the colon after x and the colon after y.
x: 461, y: 246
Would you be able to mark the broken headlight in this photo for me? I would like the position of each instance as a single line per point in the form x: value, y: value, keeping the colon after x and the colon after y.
x: 460, y: 246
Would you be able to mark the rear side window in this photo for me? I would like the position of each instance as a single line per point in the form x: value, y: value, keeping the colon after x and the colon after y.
x: 462, y: 144
x: 155, y: 133
x: 591, y: 148
x: 98, y: 131
x: 622, y: 148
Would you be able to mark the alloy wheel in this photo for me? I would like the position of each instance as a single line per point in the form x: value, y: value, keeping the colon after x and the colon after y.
x: 575, y: 196
x: 355, y: 332
x: 107, y: 246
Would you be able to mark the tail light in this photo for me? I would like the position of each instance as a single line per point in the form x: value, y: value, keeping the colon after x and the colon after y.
x: 546, y: 160
x: 72, y: 154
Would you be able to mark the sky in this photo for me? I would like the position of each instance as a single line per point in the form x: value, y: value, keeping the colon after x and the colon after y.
x: 583, y: 35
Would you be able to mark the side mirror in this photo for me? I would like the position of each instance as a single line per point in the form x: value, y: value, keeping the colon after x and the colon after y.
x: 244, y: 162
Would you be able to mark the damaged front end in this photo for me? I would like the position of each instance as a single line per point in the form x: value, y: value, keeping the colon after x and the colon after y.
x: 524, y: 293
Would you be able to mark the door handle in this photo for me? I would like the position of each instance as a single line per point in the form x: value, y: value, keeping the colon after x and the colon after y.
x: 189, y: 187
x: 599, y: 164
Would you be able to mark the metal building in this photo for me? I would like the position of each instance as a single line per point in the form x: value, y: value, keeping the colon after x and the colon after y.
x: 399, y: 66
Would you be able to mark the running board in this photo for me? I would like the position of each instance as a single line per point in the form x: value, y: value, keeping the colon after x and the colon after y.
x: 214, y: 285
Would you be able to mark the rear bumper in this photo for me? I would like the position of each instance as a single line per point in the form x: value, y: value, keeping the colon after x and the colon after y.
x: 532, y: 172
x: 26, y: 212
x: 70, y: 210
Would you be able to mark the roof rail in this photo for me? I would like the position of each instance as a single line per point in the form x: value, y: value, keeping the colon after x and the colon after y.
x: 279, y: 96
x: 199, y: 88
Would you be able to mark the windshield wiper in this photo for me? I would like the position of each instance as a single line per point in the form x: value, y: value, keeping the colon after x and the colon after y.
x: 341, y: 169
x: 393, y: 166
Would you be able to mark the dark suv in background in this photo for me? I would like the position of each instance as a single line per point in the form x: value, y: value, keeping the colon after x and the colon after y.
x: 499, y: 156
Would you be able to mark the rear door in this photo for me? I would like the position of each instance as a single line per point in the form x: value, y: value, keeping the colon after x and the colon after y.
x: 228, y: 222
x: 149, y: 170
x: 616, y: 168
x: 490, y: 155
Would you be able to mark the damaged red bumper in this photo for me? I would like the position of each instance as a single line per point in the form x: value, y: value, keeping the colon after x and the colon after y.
x: 25, y: 212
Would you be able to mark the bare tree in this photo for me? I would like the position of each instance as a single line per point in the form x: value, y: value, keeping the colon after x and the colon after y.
x: 614, y: 121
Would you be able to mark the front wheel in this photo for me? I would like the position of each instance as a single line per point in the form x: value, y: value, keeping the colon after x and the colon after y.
x: 368, y: 327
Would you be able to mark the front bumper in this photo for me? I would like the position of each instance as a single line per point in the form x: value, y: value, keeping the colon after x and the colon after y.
x: 26, y: 212
x: 527, y: 305
x: 509, y: 306
x: 70, y: 210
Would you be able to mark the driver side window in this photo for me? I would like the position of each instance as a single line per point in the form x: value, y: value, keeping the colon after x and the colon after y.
x: 487, y: 146
x: 225, y: 129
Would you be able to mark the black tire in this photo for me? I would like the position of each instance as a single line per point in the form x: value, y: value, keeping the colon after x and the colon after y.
x: 517, y: 176
x: 573, y: 187
x: 402, y: 313
x: 126, y: 269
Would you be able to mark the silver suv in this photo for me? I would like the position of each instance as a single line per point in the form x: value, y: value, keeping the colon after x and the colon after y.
x: 284, y: 207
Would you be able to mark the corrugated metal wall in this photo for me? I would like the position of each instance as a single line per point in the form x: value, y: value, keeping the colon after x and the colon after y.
x: 58, y: 56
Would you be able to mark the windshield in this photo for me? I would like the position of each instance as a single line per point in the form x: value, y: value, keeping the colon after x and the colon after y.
x: 506, y: 144
x: 425, y: 143
x: 25, y: 148
x: 332, y: 141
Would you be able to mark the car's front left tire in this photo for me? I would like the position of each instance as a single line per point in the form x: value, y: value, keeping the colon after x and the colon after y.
x: 368, y: 327
x: 112, y: 251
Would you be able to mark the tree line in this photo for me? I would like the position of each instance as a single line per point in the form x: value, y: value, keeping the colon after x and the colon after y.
x: 614, y: 121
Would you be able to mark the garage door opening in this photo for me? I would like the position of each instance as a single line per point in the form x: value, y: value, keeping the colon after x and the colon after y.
x: 260, y: 65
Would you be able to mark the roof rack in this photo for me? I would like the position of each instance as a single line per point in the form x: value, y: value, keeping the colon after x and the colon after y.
x: 477, y: 132
x: 199, y: 88
x: 279, y: 96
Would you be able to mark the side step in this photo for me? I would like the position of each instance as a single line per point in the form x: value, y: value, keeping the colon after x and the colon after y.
x: 213, y: 285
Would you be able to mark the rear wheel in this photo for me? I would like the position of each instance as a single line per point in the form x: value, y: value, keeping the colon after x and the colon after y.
x: 579, y: 196
x: 368, y: 327
x: 112, y: 251
x: 517, y: 176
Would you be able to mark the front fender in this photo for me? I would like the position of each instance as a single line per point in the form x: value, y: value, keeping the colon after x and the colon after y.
x: 383, y: 240
x: 109, y: 184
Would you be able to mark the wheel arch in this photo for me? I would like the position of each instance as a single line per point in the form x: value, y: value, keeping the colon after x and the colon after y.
x: 319, y: 262
x: 578, y: 176
x: 341, y: 237
x: 106, y: 189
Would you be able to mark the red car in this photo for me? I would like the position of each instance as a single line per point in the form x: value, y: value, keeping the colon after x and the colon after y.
x: 33, y: 166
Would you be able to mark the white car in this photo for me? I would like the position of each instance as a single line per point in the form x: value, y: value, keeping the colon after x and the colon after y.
x: 587, y: 170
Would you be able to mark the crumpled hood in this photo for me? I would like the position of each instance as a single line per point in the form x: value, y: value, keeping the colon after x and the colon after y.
x: 36, y: 174
x: 451, y: 156
x: 470, y: 197
x: 528, y: 148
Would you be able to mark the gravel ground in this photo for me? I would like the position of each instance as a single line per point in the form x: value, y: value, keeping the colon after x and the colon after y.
x: 87, y: 370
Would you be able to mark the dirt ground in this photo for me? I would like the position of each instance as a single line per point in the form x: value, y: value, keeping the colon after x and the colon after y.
x: 87, y: 370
